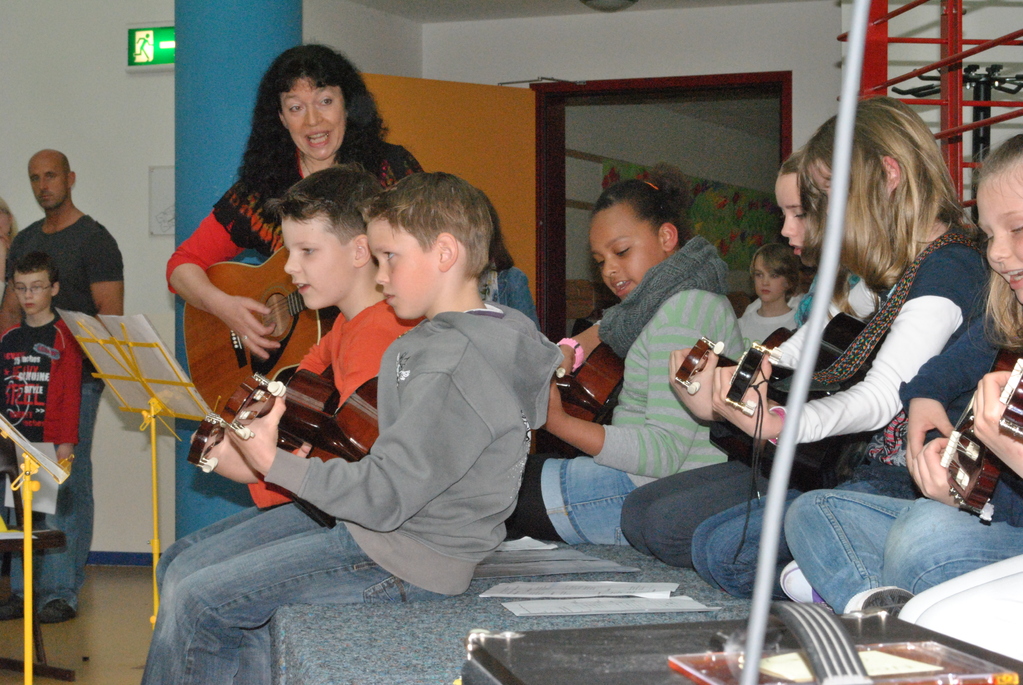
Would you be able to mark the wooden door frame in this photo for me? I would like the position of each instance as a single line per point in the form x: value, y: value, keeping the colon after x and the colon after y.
x: 551, y: 99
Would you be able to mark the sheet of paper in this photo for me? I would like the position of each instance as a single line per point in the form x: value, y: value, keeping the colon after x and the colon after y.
x: 543, y: 562
x: 571, y: 589
x: 793, y: 666
x: 524, y: 543
x: 44, y: 500
x: 605, y: 605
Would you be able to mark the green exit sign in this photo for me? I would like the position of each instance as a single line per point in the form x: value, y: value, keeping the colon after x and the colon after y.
x: 150, y: 46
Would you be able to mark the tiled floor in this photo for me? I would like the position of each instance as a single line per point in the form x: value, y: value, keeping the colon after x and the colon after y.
x: 107, y: 643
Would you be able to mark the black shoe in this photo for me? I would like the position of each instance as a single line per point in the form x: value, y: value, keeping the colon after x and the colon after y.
x: 56, y: 611
x: 11, y: 608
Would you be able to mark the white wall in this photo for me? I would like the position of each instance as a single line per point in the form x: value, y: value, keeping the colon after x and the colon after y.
x: 796, y: 36
x: 64, y: 86
x: 377, y: 43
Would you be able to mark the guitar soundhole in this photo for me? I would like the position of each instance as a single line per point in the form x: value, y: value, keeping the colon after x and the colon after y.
x: 279, y: 317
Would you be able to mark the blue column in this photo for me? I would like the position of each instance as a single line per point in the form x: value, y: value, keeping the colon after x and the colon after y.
x: 223, y: 48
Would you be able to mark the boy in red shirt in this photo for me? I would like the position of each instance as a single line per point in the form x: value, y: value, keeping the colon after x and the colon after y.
x: 331, y: 264
x: 41, y: 371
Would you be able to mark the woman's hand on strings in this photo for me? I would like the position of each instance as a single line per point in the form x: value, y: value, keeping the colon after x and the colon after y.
x: 244, y: 316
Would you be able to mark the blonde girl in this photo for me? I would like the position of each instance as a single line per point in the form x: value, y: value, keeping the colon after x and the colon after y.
x: 858, y: 549
x: 907, y: 241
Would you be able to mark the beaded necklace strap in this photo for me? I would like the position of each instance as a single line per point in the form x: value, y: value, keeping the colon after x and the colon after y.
x: 859, y: 351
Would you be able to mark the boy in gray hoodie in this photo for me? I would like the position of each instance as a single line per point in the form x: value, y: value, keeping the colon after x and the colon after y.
x: 457, y: 397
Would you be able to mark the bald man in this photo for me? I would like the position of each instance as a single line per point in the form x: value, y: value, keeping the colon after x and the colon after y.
x: 92, y: 281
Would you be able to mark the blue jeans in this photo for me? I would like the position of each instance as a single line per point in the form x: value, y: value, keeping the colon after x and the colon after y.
x: 720, y: 559
x: 726, y: 547
x: 659, y: 518
x: 848, y: 542
x: 220, y: 590
x: 584, y: 500
x: 194, y: 556
x: 60, y: 573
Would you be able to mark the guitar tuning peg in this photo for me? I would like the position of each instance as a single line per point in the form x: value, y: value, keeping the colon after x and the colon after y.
x: 693, y: 387
x: 718, y: 348
x: 242, y: 432
x: 774, y: 356
x: 749, y: 407
x: 560, y: 373
x: 277, y: 389
x: 207, y: 464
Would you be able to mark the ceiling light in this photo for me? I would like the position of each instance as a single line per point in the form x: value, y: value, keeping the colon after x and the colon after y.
x: 608, y: 5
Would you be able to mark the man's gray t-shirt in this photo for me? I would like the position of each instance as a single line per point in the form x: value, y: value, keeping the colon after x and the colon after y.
x: 84, y: 253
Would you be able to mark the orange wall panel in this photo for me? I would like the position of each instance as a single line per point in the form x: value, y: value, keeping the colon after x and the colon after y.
x: 485, y: 134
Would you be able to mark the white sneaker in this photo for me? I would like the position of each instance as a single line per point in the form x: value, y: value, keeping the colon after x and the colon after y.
x: 796, y: 586
x: 888, y: 598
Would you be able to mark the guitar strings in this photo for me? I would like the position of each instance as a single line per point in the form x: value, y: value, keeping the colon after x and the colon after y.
x: 754, y: 489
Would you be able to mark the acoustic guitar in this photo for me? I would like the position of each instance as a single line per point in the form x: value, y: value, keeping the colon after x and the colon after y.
x: 312, y: 415
x: 973, y: 471
x: 591, y: 392
x: 217, y: 360
x: 821, y: 464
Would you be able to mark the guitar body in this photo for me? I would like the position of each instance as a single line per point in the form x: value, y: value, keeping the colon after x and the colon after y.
x: 347, y: 432
x: 591, y: 392
x: 217, y: 361
x: 312, y: 415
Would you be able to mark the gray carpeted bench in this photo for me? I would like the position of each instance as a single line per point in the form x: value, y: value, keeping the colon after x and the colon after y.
x: 422, y: 642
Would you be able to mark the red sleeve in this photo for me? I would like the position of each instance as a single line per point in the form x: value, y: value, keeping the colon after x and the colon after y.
x: 355, y: 349
x: 321, y: 355
x: 359, y: 354
x: 64, y: 394
x: 210, y: 243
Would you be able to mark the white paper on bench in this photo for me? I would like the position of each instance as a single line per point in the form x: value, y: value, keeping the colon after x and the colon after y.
x: 571, y: 589
x: 524, y: 543
x: 605, y: 605
x: 544, y: 562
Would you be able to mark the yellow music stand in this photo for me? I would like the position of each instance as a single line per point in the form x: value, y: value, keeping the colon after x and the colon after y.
x: 32, y: 461
x: 145, y: 378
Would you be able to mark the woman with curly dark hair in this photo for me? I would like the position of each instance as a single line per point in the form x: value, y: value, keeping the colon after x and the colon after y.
x: 312, y: 111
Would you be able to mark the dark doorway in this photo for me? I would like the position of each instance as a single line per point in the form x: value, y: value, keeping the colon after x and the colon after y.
x: 738, y: 95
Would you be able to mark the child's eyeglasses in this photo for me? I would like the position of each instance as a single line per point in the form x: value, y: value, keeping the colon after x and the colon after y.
x: 34, y: 289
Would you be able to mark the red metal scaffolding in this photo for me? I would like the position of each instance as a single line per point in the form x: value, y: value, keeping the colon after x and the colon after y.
x: 875, y: 80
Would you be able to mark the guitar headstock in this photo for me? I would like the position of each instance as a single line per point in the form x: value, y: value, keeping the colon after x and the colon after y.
x: 695, y: 362
x: 1011, y: 423
x: 746, y: 373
